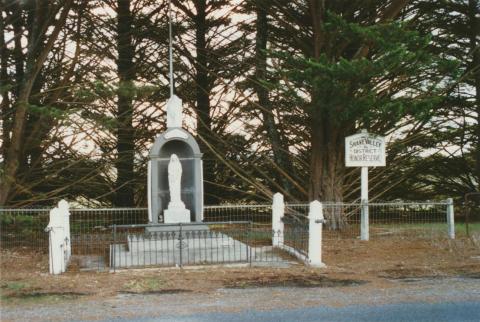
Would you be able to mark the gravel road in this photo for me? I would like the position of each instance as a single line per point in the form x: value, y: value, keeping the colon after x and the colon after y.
x: 448, y: 299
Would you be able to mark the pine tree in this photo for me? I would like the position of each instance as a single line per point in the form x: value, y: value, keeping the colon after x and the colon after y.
x: 352, y: 66
x: 30, y: 89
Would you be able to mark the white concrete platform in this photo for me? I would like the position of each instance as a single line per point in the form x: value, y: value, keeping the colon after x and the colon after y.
x: 170, y: 250
x: 204, y: 248
x: 171, y: 240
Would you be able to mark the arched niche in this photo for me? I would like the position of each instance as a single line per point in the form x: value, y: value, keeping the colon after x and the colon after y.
x: 180, y: 142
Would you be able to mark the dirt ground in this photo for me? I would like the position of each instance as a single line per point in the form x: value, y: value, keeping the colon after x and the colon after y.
x: 25, y: 280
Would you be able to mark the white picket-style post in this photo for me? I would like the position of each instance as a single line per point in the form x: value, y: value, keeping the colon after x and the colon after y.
x: 56, y: 241
x: 316, y: 220
x: 64, y: 208
x: 450, y: 219
x: 278, y: 211
x: 149, y: 191
x: 59, y: 238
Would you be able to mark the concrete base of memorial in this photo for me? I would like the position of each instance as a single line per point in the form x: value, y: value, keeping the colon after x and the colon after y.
x: 168, y: 249
x: 193, y: 248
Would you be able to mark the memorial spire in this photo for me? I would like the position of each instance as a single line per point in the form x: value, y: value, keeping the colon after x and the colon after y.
x: 170, y: 47
x: 174, y: 104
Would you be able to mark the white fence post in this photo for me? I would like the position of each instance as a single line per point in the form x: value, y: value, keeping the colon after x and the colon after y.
x: 316, y: 220
x: 149, y: 190
x: 59, y: 238
x: 278, y: 211
x: 450, y: 219
x: 65, y: 210
x: 364, y: 221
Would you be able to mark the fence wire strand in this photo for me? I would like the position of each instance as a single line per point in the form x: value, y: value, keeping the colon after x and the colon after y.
x: 95, y: 245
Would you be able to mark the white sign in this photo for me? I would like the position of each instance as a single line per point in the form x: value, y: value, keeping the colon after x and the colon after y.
x: 365, y: 150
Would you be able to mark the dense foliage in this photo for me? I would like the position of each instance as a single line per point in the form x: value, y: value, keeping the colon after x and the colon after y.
x: 271, y: 89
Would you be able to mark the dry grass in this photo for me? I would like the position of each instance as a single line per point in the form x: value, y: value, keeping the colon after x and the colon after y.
x: 24, y: 275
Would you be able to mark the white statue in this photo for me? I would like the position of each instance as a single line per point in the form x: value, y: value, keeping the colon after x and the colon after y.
x: 174, y: 112
x: 174, y: 180
x: 176, y: 211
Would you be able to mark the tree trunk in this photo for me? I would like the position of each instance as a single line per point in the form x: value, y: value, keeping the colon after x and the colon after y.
x: 5, y: 105
x: 475, y: 66
x: 280, y: 152
x: 327, y: 162
x: 327, y: 138
x: 125, y: 133
x: 324, y: 164
x: 202, y: 92
x: 202, y: 81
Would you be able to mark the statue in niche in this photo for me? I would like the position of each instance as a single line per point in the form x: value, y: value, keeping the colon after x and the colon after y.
x: 174, y: 112
x: 174, y: 182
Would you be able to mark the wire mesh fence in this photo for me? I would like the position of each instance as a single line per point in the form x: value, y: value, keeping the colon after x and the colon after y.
x: 91, y: 228
x: 24, y: 228
x: 342, y: 221
x: 471, y: 214
x: 258, y: 214
x: 417, y: 220
x: 386, y: 220
x: 91, y: 251
x: 84, y: 221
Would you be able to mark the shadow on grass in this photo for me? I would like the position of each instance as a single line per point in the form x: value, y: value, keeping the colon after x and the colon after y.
x: 294, y: 281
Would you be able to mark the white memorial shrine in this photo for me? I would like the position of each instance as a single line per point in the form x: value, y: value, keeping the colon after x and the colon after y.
x: 175, y: 171
x: 175, y: 181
